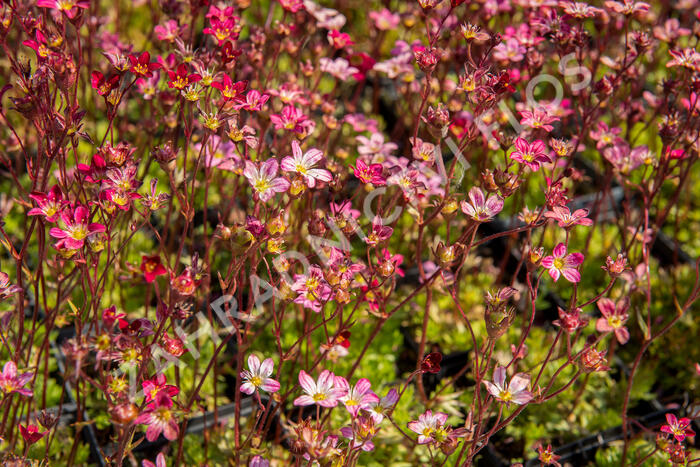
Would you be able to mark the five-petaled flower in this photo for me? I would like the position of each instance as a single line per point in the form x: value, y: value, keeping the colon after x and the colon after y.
x: 371, y: 173
x: 614, y: 318
x: 430, y: 427
x: 516, y: 391
x: 559, y: 263
x: 160, y: 418
x: 531, y: 154
x: 49, y: 204
x: 304, y: 164
x: 324, y: 392
x: 479, y: 208
x: 31, y: 433
x: 264, y: 179
x: 680, y: 429
x: 76, y: 227
x: 358, y: 397
x: 257, y: 376
x: 152, y: 267
x: 142, y: 65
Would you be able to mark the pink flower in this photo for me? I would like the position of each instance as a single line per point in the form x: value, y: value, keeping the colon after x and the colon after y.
x: 303, y: 164
x: 168, y: 31
x: 429, y: 426
x: 379, y: 409
x: 312, y: 289
x: 680, y: 429
x: 292, y: 119
x: 515, y: 391
x: 559, y: 263
x: 479, y: 208
x: 567, y: 220
x: 509, y: 50
x: 538, y: 118
x: 254, y: 101
x: 49, y: 204
x: 605, y: 136
x: 7, y: 289
x: 160, y: 461
x: 375, y: 146
x: 322, y: 392
x: 358, y: 397
x: 384, y: 20
x: 76, y: 227
x: 369, y: 173
x: 627, y: 7
x: 159, y: 418
x: 614, y: 317
x: 531, y: 155
x: 264, y: 180
x: 69, y: 7
x: 11, y: 382
x: 258, y: 376
x: 339, y: 68
x: 379, y: 233
x: 686, y: 58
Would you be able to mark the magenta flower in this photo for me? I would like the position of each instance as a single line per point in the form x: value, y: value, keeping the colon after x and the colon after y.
x: 369, y: 173
x: 559, y: 263
x: 566, y: 219
x: 614, y: 318
x: 11, y: 382
x: 312, y: 289
x: 680, y: 429
x: 49, y: 204
x: 258, y: 376
x: 154, y: 386
x: 428, y: 426
x: 159, y: 418
x: 303, y: 164
x: 515, y: 391
x: 531, y: 155
x: 538, y: 118
x: 322, y: 392
x: 379, y: 233
x: 76, y: 227
x: 265, y: 180
x: 291, y: 119
x: 686, y: 58
x: 358, y: 397
x: 69, y: 7
x: 479, y: 208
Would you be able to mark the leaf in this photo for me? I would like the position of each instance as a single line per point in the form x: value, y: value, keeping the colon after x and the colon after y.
x: 643, y: 325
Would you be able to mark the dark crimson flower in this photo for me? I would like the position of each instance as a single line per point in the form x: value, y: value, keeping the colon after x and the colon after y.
x: 95, y: 171
x: 152, y: 267
x: 431, y: 363
x: 182, y: 78
x: 343, y: 339
x: 547, y: 456
x: 229, y: 53
x: 102, y: 85
x: 31, y: 433
x: 142, y: 65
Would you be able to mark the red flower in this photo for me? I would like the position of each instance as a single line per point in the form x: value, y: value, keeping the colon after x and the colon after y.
x: 152, y: 267
x: 102, y: 85
x: 431, y: 363
x: 142, y: 66
x: 181, y: 78
x: 229, y: 89
x: 31, y: 433
x: 159, y: 418
x: 369, y: 173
